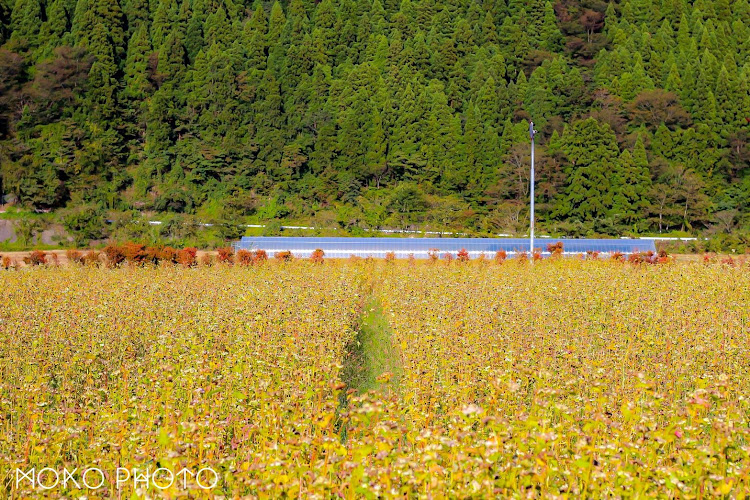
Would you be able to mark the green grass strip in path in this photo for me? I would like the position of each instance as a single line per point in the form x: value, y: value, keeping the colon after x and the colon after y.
x: 373, y: 354
x: 372, y: 361
x: 379, y: 364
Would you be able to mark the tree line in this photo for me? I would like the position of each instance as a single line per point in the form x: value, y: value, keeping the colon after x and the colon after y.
x: 381, y: 113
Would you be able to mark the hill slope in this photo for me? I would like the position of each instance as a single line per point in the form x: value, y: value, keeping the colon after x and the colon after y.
x: 374, y: 113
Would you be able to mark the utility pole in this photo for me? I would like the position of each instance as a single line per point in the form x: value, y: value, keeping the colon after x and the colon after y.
x: 532, y: 133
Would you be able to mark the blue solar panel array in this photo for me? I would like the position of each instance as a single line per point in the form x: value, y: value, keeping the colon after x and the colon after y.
x: 302, y: 247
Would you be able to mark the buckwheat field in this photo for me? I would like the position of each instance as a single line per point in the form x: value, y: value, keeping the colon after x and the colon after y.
x: 362, y: 379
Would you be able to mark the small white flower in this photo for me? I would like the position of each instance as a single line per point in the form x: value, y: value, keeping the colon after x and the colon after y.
x: 471, y: 409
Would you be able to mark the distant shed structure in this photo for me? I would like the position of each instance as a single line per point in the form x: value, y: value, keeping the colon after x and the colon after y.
x: 420, y: 248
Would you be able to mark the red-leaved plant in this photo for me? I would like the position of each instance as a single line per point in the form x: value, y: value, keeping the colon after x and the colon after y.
x: 188, y: 257
x: 244, y: 257
x: 225, y: 255
x: 259, y: 257
x: 317, y: 256
x: 555, y: 249
x: 36, y: 258
x: 500, y: 256
x: 74, y: 256
x: 91, y: 258
x: 285, y: 256
x: 115, y: 255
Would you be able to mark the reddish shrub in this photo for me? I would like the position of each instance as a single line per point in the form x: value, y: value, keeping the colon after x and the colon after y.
x: 411, y: 259
x: 188, y: 257
x: 251, y: 257
x: 317, y: 256
x: 522, y: 257
x: 432, y: 254
x: 150, y: 255
x: 91, y: 258
x: 207, y: 260
x: 167, y: 254
x: 225, y: 255
x: 74, y: 256
x: 642, y: 258
x: 36, y: 258
x: 592, y: 255
x: 134, y: 252
x: 115, y: 255
x: 555, y: 249
x: 259, y: 257
x: 463, y: 255
x: 6, y: 262
x: 244, y: 258
x: 448, y: 257
x: 55, y: 259
x: 537, y: 255
x: 618, y: 256
x: 500, y: 256
x: 390, y: 256
x: 285, y: 256
x: 635, y: 258
x: 354, y: 258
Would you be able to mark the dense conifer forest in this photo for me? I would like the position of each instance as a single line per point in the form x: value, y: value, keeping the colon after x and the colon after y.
x: 364, y: 114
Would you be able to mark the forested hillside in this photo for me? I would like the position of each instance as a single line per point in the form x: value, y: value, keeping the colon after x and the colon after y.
x: 381, y: 113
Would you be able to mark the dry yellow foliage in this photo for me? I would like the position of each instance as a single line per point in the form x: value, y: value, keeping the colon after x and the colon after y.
x: 563, y: 379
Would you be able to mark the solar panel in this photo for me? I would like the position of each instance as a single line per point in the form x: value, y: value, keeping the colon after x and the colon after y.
x: 420, y: 248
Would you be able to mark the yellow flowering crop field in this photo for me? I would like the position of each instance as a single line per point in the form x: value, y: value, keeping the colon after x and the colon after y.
x: 564, y: 379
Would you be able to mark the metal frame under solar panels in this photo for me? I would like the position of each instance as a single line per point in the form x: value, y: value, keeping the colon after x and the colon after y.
x: 302, y: 247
